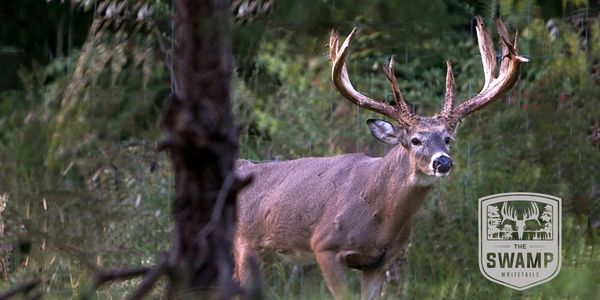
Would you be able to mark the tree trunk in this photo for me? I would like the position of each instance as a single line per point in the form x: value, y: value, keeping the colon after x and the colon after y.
x: 202, y: 143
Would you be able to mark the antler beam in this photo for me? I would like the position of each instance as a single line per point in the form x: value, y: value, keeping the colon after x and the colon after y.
x: 494, y: 86
x: 341, y: 80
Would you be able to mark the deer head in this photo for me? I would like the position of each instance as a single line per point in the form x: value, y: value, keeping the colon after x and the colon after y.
x: 428, y: 139
x: 509, y: 214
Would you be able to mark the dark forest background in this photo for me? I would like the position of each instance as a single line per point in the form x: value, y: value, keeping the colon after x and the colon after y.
x: 83, y: 84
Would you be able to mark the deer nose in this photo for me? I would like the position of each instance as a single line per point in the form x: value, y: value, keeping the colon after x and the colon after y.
x: 442, y: 164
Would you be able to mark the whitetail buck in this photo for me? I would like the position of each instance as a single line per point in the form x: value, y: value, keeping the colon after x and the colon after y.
x: 354, y: 210
x: 510, y: 214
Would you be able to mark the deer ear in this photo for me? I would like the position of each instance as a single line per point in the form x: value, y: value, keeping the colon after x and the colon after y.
x: 386, y: 132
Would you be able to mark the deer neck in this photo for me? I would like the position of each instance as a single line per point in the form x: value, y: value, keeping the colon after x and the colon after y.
x: 403, y: 188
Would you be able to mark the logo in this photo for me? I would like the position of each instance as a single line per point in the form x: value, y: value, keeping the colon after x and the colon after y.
x: 519, y: 238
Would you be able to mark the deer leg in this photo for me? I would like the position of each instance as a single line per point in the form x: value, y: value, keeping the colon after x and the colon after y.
x: 395, y: 276
x: 371, y: 283
x: 245, y: 259
x: 397, y: 268
x: 333, y: 272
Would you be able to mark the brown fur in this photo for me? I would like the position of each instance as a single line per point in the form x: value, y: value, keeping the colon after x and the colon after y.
x: 350, y: 210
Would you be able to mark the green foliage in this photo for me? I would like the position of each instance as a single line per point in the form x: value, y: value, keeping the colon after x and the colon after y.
x: 537, y: 141
x: 86, y: 187
x: 534, y: 140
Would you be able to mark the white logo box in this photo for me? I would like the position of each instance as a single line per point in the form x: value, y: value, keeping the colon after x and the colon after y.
x: 520, y: 238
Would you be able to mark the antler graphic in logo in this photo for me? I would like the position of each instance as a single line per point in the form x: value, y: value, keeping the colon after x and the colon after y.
x: 509, y: 214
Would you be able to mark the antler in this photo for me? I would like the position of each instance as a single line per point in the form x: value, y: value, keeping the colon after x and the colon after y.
x: 449, y: 97
x: 532, y: 214
x: 508, y: 213
x: 341, y: 80
x: 494, y: 86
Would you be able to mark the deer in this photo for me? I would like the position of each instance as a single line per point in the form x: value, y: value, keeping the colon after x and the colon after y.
x: 509, y: 214
x: 352, y: 210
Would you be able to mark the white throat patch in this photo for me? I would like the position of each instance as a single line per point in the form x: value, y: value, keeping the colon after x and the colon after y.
x: 424, y: 180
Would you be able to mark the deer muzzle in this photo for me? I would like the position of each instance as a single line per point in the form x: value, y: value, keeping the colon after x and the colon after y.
x: 441, y: 164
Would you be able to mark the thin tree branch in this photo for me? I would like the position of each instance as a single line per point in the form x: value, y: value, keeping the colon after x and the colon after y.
x: 24, y: 288
x: 150, y: 280
x: 103, y: 277
x: 168, y: 53
x: 218, y: 207
x: 150, y: 276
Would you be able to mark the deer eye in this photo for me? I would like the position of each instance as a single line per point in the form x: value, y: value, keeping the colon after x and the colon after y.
x: 447, y: 140
x: 415, y: 142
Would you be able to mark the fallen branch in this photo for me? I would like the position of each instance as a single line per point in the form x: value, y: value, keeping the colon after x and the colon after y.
x: 149, y: 281
x: 103, y: 277
x: 24, y: 288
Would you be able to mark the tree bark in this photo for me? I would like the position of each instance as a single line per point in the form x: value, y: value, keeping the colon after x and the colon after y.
x: 202, y: 143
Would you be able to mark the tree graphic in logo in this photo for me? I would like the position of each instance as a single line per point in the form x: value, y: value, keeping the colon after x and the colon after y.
x: 519, y: 220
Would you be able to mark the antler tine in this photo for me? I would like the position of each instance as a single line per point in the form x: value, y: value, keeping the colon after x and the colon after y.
x: 516, y: 43
x: 537, y: 213
x: 391, y: 76
x: 487, y: 51
x: 534, y: 212
x: 398, y: 96
x: 449, y: 97
x: 494, y: 86
x: 507, y: 213
x: 334, y: 45
x: 505, y: 45
x: 341, y: 80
